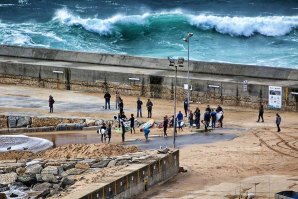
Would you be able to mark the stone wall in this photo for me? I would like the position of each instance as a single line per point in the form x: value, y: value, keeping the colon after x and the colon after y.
x: 158, y: 82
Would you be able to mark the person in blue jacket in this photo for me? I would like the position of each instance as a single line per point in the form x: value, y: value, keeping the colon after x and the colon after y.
x: 213, y: 118
x: 180, y: 120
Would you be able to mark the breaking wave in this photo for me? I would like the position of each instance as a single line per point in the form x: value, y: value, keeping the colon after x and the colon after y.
x: 234, y: 26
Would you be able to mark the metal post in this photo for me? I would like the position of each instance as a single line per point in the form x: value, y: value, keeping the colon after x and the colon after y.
x: 188, y: 95
x: 175, y: 98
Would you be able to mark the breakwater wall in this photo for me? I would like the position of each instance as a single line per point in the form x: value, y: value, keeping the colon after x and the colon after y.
x: 149, y: 77
x: 132, y: 180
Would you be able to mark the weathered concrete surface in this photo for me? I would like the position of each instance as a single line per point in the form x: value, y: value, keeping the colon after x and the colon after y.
x: 99, y: 72
x: 150, y: 63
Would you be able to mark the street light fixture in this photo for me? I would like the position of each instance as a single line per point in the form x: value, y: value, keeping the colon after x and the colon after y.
x: 187, y: 39
x: 173, y: 63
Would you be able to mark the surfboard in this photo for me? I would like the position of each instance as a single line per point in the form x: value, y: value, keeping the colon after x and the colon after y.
x: 148, y: 124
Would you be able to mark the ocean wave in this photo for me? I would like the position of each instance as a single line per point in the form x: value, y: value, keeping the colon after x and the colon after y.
x: 234, y: 26
x: 247, y: 26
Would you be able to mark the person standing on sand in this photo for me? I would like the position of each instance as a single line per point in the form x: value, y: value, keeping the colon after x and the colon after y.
x: 197, y: 117
x: 179, y: 120
x: 213, y: 118
x: 261, y: 112
x: 139, y: 107
x: 117, y: 96
x: 206, y: 120
x: 165, y: 126
x: 109, y: 133
x: 132, y: 124
x: 107, y: 97
x: 102, y: 132
x: 149, y: 106
x: 278, y: 121
x: 121, y: 106
x: 208, y: 109
x: 190, y: 117
x: 51, y: 103
x: 123, y: 130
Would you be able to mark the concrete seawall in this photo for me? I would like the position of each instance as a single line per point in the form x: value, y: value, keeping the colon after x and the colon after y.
x: 133, y: 180
x: 98, y: 72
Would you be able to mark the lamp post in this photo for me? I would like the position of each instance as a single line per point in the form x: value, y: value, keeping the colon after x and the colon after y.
x: 187, y: 39
x: 180, y: 62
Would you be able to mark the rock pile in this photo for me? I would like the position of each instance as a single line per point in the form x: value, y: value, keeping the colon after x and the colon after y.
x: 40, y: 178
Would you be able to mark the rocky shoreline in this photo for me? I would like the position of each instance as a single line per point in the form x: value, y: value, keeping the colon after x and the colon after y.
x: 47, y: 177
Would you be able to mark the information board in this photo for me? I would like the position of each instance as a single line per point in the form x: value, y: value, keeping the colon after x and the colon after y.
x: 275, y: 97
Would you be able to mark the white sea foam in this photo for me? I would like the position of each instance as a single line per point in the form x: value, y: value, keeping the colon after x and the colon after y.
x: 246, y: 26
x: 19, y: 142
x: 234, y: 26
x: 101, y: 26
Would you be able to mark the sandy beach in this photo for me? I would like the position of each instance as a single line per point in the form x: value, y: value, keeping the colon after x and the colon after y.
x: 258, y: 157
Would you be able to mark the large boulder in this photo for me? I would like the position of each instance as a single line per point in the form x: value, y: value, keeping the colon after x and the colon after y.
x: 23, y: 121
x: 68, y: 165
x: 20, y: 170
x: 82, y: 165
x: 90, y: 122
x: 49, y: 178
x: 8, y: 178
x: 55, y: 170
x: 67, y: 181
x: 74, y: 171
x: 27, y: 179
x: 101, y: 164
x: 42, y: 186
x: 34, y: 168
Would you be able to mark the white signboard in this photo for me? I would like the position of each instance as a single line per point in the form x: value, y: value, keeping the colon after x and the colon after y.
x: 275, y: 97
x: 245, y: 83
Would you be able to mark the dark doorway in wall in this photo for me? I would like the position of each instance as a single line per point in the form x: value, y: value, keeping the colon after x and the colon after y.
x: 156, y: 86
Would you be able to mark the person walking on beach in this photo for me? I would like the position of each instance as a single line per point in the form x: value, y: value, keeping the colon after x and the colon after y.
x: 197, y: 117
x: 107, y: 97
x: 109, y: 133
x: 180, y: 120
x: 190, y: 117
x: 132, y: 123
x: 261, y: 112
x: 121, y: 106
x: 51, y: 103
x: 213, y: 118
x: 165, y: 126
x: 139, y: 107
x: 278, y: 121
x: 185, y: 106
x: 149, y: 106
x: 117, y: 96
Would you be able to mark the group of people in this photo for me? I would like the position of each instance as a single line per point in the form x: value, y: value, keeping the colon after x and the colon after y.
x: 261, y: 116
x: 120, y: 105
x: 210, y: 115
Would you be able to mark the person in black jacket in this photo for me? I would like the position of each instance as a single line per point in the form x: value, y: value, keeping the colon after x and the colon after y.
x: 109, y: 133
x: 132, y: 123
x: 121, y: 106
x: 165, y: 126
x: 185, y: 106
x: 149, y: 108
x: 51, y: 103
x: 261, y: 112
x: 139, y: 107
x: 107, y: 97
x: 278, y: 121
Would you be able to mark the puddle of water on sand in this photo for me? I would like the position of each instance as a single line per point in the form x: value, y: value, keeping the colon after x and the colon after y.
x: 153, y: 143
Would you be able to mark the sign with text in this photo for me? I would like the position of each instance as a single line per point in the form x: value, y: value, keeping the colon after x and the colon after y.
x: 275, y: 97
